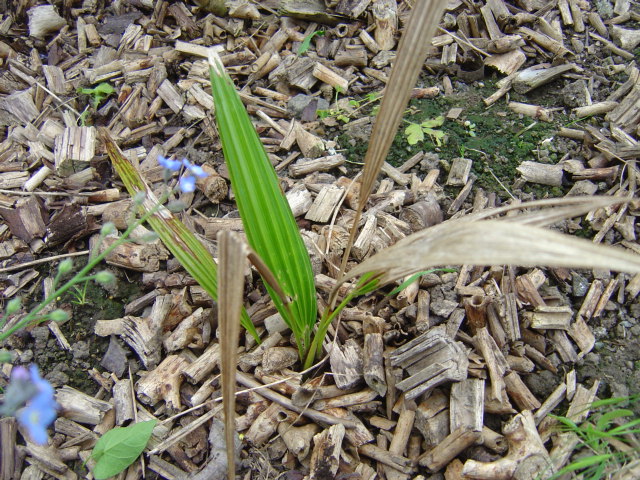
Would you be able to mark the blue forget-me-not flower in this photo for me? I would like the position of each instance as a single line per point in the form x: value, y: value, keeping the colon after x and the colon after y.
x: 28, y: 387
x: 188, y: 179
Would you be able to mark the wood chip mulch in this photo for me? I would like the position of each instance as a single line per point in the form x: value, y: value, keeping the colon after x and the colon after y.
x: 427, y: 381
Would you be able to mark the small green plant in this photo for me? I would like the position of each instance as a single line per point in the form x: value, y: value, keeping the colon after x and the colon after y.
x: 337, y: 113
x: 608, y: 435
x: 415, y: 132
x: 98, y: 94
x: 416, y: 276
x: 79, y: 294
x: 119, y: 448
x: 345, y: 115
x: 470, y: 127
x: 306, y: 43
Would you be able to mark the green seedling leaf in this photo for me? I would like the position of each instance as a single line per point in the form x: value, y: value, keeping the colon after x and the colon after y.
x: 567, y: 422
x: 306, y: 43
x: 99, y: 92
x: 436, y: 135
x: 416, y: 276
x: 268, y: 222
x: 119, y: 448
x: 583, y: 463
x: 434, y: 122
x: 627, y: 428
x: 614, y: 401
x: 605, y: 420
x: 414, y: 133
x: 354, y: 103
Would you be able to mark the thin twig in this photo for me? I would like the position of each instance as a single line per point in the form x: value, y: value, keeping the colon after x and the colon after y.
x: 314, y: 415
x: 43, y: 260
x: 46, y: 194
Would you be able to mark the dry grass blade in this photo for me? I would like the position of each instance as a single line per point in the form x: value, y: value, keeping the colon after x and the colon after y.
x: 492, y: 242
x: 563, y: 208
x: 232, y: 261
x: 412, y: 53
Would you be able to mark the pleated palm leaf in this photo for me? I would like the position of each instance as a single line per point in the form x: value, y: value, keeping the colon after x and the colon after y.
x: 268, y: 222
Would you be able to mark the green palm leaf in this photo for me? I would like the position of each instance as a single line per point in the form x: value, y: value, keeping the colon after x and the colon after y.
x: 269, y: 224
x: 187, y: 249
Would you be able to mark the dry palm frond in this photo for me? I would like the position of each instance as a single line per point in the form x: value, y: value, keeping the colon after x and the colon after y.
x: 232, y: 262
x: 411, y: 55
x: 493, y: 242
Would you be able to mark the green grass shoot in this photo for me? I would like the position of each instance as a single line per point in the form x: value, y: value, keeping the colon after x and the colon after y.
x: 608, y: 434
x: 306, y: 43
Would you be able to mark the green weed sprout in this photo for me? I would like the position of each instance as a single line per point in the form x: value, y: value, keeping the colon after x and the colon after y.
x: 608, y: 434
x: 79, y: 294
x: 415, y: 132
x: 306, y: 43
x: 345, y: 116
x: 98, y: 94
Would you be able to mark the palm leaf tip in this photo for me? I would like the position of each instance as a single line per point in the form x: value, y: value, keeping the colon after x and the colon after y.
x: 215, y: 62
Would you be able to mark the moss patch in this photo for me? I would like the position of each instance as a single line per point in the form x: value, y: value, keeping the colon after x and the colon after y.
x: 496, y: 139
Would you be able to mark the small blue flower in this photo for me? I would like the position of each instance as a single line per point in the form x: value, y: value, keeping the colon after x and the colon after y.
x: 40, y: 411
x: 44, y: 388
x: 194, y: 169
x: 18, y: 392
x: 173, y: 165
x: 187, y: 183
x: 36, y: 418
x: 188, y: 180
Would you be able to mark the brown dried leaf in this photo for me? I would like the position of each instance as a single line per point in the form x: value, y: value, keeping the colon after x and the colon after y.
x: 492, y: 242
x: 411, y: 55
x: 232, y: 263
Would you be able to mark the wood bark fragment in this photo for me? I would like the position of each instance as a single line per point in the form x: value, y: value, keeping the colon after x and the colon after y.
x: 466, y: 407
x: 325, y: 458
x: 385, y: 13
x: 163, y: 383
x: 80, y: 407
x: 373, y: 367
x: 451, y: 446
x: 325, y: 204
x: 497, y: 367
x: 527, y: 457
x: 400, y: 440
x: 383, y: 456
x: 431, y: 359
